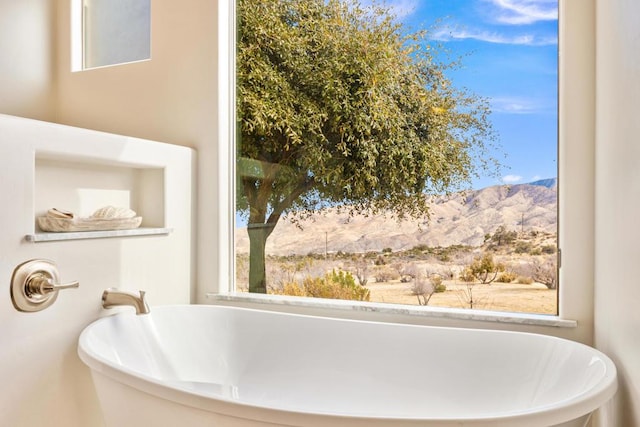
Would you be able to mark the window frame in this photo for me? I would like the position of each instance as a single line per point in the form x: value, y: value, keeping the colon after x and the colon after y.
x: 576, y: 196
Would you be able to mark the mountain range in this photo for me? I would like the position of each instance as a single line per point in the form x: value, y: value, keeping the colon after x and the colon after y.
x: 460, y: 219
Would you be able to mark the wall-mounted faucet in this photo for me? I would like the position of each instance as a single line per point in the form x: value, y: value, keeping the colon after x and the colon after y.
x: 114, y: 297
x: 35, y: 285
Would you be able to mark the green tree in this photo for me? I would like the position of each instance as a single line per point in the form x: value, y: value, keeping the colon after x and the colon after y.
x: 503, y: 236
x: 484, y: 269
x: 338, y: 106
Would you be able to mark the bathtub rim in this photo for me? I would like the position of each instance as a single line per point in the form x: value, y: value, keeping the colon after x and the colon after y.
x: 575, y: 407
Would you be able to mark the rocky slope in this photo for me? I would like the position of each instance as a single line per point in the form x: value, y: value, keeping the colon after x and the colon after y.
x: 463, y: 218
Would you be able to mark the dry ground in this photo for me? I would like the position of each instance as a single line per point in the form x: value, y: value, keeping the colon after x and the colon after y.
x: 383, y: 271
x: 533, y: 298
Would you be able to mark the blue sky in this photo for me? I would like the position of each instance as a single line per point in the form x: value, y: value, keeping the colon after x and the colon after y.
x: 510, y: 56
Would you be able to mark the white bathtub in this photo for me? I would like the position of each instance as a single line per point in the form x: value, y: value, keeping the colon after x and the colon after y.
x: 196, y: 365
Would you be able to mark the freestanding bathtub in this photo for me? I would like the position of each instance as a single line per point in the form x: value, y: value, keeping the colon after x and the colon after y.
x: 198, y: 365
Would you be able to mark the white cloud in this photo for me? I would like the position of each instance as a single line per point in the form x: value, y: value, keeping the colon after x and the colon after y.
x: 398, y: 8
x: 521, y: 105
x: 513, y: 105
x: 521, y: 12
x: 402, y: 8
x: 448, y: 34
x: 511, y: 179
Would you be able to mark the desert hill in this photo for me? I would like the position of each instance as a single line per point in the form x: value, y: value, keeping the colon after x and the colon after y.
x: 462, y: 218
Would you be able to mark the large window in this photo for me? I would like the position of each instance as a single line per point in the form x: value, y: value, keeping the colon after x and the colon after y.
x: 380, y: 162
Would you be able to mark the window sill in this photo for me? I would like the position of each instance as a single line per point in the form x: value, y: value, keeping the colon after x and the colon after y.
x: 397, y: 309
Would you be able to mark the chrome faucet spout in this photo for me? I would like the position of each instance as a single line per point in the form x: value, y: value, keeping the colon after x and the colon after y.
x: 114, y: 297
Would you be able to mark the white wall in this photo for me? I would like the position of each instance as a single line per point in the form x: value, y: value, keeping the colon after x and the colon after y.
x: 44, y: 382
x: 617, y: 307
x: 27, y: 56
x: 171, y: 98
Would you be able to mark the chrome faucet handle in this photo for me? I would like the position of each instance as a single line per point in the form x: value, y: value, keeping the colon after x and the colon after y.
x: 42, y: 283
x: 35, y: 285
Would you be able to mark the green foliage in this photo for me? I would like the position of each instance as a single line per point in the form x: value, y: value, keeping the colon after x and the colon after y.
x: 338, y: 104
x: 444, y: 254
x: 467, y: 275
x: 436, y: 283
x: 523, y: 247
x: 507, y: 277
x: 502, y: 236
x: 484, y: 269
x: 444, y: 257
x: 335, y: 285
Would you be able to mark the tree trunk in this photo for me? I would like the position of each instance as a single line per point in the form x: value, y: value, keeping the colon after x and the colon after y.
x: 260, y: 226
x: 258, y: 234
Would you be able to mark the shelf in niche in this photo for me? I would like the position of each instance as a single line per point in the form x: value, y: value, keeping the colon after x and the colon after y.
x: 81, y: 235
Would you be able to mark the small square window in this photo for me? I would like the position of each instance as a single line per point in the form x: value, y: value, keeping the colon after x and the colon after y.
x: 115, y: 32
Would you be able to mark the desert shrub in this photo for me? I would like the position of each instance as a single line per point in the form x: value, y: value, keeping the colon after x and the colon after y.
x: 450, y: 274
x: 387, y: 250
x: 407, y: 271
x: 380, y: 260
x: 484, y: 269
x: 502, y: 236
x: 545, y: 272
x: 467, y: 275
x: 420, y: 287
x: 386, y: 274
x: 506, y: 277
x: 334, y: 285
x: 293, y: 289
x: 362, y: 271
x: 548, y: 249
x: 523, y: 247
x: 444, y: 257
x: 436, y: 281
x: 524, y: 280
x: 424, y: 288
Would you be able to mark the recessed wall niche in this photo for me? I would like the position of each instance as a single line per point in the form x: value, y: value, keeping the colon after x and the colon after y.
x: 83, y: 185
